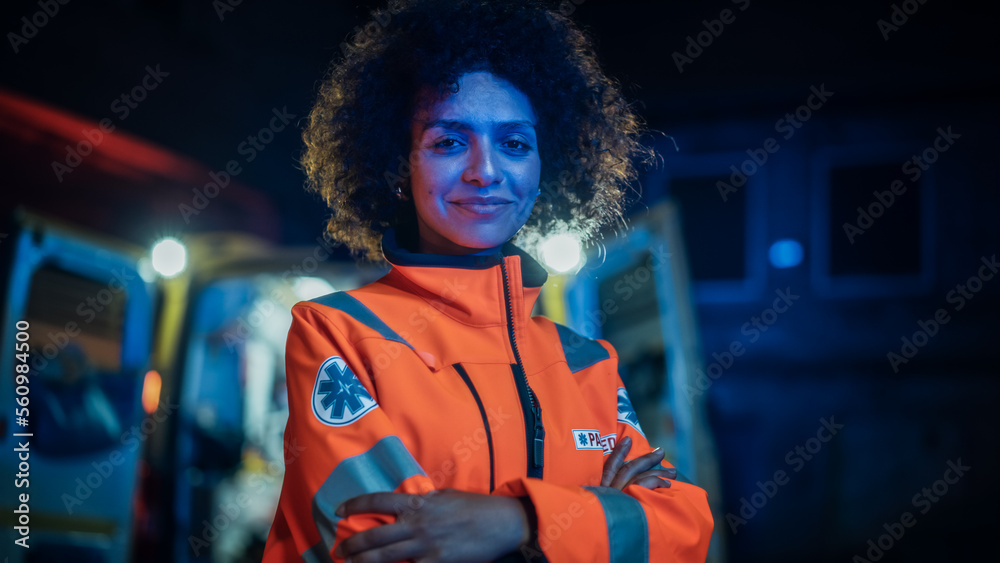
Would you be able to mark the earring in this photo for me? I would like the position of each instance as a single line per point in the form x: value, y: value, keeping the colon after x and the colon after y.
x: 399, y: 192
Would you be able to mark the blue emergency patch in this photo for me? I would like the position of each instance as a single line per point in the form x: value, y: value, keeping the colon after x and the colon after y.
x: 626, y: 414
x: 339, y: 398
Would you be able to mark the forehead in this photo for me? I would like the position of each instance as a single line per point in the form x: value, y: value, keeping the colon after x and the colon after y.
x: 481, y: 98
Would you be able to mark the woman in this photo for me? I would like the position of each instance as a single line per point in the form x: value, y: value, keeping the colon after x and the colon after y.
x: 432, y: 418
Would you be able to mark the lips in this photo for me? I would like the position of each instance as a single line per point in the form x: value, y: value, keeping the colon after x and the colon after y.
x: 479, y: 200
x: 479, y: 206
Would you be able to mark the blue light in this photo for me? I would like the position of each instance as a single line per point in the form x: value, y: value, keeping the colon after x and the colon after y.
x: 785, y: 253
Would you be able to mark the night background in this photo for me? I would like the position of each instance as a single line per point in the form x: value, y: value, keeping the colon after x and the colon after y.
x: 883, y: 319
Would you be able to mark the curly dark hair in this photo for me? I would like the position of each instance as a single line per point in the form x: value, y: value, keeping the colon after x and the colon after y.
x: 357, y: 141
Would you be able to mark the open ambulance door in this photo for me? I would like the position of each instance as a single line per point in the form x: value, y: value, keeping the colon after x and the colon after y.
x: 72, y: 424
x: 637, y: 295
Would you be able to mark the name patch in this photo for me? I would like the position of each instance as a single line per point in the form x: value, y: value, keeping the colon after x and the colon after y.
x: 586, y: 439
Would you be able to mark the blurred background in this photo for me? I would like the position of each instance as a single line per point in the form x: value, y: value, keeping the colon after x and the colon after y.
x: 805, y: 301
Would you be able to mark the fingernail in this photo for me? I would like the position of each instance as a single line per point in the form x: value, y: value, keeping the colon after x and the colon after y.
x: 657, y: 450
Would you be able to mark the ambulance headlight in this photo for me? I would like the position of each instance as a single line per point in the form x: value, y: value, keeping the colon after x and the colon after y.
x: 169, y: 257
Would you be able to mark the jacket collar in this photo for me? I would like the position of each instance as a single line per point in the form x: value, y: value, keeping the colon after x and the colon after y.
x: 464, y: 289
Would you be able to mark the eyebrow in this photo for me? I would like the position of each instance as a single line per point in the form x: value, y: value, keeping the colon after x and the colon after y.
x: 463, y: 126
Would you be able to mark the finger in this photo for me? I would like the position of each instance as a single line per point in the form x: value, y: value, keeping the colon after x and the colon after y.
x: 379, y: 503
x: 670, y: 472
x: 614, y: 462
x: 637, y: 466
x: 650, y: 482
x: 373, y: 538
x: 661, y: 474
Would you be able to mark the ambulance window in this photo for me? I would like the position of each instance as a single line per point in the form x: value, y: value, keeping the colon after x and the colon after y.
x: 713, y: 228
x: 873, y: 231
x: 83, y: 400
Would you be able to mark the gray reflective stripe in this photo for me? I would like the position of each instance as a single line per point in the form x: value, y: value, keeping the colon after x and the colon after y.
x: 628, y: 531
x: 581, y: 352
x: 356, y: 309
x: 381, y: 469
x: 317, y: 554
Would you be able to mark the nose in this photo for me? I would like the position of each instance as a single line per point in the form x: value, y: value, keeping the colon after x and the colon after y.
x: 483, y: 168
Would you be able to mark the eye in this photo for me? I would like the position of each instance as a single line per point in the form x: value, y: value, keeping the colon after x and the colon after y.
x: 448, y: 143
x: 517, y: 145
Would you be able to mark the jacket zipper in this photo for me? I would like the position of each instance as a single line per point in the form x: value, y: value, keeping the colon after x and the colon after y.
x: 534, y: 431
x: 482, y: 412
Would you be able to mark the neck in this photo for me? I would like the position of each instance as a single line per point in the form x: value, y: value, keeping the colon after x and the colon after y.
x: 427, y: 247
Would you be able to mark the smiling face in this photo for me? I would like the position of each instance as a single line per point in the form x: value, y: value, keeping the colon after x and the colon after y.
x: 475, y: 165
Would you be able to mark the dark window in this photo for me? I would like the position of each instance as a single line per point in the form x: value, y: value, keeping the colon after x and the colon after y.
x: 714, y: 229
x: 883, y: 236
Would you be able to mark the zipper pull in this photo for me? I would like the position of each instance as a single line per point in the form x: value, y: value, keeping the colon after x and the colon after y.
x: 539, y: 441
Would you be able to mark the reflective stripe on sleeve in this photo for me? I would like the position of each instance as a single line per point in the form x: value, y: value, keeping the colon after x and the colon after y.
x: 581, y: 352
x: 628, y: 531
x: 357, y: 310
x: 382, y: 468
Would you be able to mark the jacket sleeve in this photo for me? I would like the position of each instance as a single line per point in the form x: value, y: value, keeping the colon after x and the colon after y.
x: 338, y: 443
x: 593, y: 523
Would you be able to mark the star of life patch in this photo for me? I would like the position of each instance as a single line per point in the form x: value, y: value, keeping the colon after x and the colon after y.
x: 592, y: 440
x: 338, y: 397
x: 626, y: 414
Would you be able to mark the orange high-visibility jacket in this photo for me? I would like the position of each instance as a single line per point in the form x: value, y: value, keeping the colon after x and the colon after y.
x: 437, y: 376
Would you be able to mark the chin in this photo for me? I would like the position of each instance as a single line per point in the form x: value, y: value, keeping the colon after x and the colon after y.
x: 479, y: 239
x: 480, y: 243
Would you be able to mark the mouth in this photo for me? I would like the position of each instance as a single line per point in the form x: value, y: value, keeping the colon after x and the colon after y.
x: 481, y: 205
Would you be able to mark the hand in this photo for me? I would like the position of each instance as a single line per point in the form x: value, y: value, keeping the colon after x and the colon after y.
x: 619, y: 474
x: 440, y: 526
